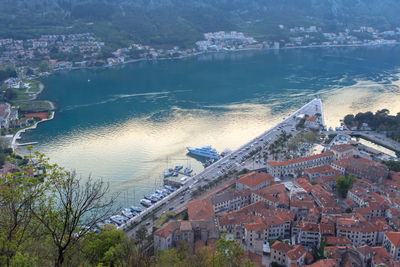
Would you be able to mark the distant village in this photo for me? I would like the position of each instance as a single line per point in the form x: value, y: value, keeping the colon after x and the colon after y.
x: 24, y: 53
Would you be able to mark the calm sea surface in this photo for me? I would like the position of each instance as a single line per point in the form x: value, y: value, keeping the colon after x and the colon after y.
x: 129, y: 123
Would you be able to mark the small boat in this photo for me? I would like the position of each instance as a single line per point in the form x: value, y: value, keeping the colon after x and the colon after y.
x: 145, y: 202
x: 170, y: 188
x: 187, y: 171
x: 169, y: 173
x: 148, y: 197
x: 178, y: 167
x: 118, y: 219
x: 136, y: 209
x: 128, y: 213
x: 175, y: 174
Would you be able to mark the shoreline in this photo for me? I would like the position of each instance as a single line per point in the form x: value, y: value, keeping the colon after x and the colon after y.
x: 224, y: 51
x: 17, y: 136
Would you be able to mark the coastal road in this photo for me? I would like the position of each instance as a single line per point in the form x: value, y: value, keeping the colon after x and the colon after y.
x: 230, y: 162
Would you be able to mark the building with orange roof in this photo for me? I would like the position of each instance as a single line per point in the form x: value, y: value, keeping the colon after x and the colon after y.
x: 229, y: 200
x: 344, y: 151
x: 288, y: 255
x: 312, y: 122
x: 275, y: 195
x: 174, y: 232
x: 376, y: 256
x: 320, y: 171
x: 362, y: 168
x: 254, y: 180
x: 295, y: 167
x: 391, y: 241
x: 338, y: 241
x: 304, y: 183
x: 309, y: 234
x: 359, y: 232
x: 301, y: 203
x: 200, y: 209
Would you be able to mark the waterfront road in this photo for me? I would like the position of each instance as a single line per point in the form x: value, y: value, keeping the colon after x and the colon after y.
x: 372, y: 136
x: 233, y: 161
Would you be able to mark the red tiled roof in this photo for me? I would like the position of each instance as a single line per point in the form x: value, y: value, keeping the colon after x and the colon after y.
x: 275, y: 193
x: 342, y: 147
x: 303, y: 183
x: 296, y: 253
x: 200, y: 209
x: 281, y: 246
x: 255, y: 178
x: 338, y: 240
x: 394, y: 237
x: 321, y: 169
x: 298, y: 160
x: 167, y: 229
x: 43, y: 116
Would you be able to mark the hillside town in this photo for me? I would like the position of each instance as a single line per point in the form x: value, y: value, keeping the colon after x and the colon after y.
x: 83, y: 49
x: 340, y: 207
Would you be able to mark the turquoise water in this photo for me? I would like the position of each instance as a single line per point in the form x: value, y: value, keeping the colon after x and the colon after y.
x: 129, y: 123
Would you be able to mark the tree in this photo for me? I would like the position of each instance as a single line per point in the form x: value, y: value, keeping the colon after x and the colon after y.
x: 343, y: 184
x: 229, y: 253
x: 10, y: 95
x: 20, y: 190
x: 141, y: 234
x: 71, y: 209
x: 393, y: 165
x: 106, y: 247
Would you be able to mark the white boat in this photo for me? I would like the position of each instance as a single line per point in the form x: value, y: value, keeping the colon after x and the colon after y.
x: 188, y: 171
x: 145, y: 202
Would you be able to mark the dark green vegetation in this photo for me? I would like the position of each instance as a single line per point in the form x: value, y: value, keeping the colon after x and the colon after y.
x: 343, y: 184
x: 7, y: 72
x: 381, y: 121
x: 180, y: 22
x: 392, y: 165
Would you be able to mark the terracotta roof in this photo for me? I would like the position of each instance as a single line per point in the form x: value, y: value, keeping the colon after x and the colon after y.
x: 324, y: 169
x: 303, y: 183
x: 394, y: 238
x: 342, y: 147
x: 338, y: 240
x: 281, y: 246
x: 298, y: 160
x: 256, y: 226
x: 200, y: 209
x: 255, y: 178
x: 274, y: 193
x: 296, y: 252
x: 167, y: 229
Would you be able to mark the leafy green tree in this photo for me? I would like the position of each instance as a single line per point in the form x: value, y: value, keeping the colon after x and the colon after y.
x: 229, y: 253
x: 105, y: 248
x: 20, y: 191
x: 343, y: 184
x: 393, y: 165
